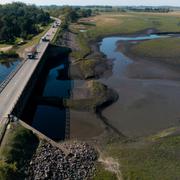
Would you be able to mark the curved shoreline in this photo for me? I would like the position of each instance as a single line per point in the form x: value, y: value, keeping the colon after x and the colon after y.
x: 95, y: 49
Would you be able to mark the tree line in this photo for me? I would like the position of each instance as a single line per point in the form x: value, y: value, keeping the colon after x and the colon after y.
x: 150, y: 9
x: 68, y: 14
x: 72, y: 13
x: 21, y: 20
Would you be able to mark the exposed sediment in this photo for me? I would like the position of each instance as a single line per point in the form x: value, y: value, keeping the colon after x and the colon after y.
x: 91, y: 97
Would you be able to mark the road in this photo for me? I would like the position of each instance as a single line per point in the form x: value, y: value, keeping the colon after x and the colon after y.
x: 13, y: 90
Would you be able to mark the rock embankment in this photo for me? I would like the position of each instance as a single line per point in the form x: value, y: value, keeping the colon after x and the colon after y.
x: 50, y: 162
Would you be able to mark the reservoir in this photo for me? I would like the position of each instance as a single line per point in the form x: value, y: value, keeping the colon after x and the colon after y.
x: 149, y: 92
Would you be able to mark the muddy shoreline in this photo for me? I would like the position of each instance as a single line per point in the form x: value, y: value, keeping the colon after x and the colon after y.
x: 95, y: 50
x: 147, y: 90
x: 111, y: 97
x: 126, y: 49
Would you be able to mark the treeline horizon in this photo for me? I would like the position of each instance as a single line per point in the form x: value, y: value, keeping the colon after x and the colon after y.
x: 71, y: 14
x: 160, y: 9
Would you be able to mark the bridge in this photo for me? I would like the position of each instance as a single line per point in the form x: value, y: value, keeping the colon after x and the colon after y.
x: 12, y: 89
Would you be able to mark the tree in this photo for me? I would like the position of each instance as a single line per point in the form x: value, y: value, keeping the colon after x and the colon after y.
x: 20, y: 20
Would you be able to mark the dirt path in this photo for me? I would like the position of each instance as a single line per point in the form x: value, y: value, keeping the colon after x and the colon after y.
x: 4, y: 49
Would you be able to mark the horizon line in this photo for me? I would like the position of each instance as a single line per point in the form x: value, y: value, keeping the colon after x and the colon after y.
x: 91, y: 5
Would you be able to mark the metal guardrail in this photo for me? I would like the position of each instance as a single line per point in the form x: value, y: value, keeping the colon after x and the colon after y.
x: 11, y: 75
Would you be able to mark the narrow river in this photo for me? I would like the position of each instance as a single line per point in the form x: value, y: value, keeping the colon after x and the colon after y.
x: 149, y: 92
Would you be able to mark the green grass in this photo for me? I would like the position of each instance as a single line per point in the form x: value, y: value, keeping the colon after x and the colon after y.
x: 148, y: 160
x: 82, y: 41
x: 102, y: 174
x: 4, y: 45
x: 128, y: 23
x: 151, y: 158
x: 123, y: 23
x: 7, y: 171
x: 166, y: 50
x: 17, y: 149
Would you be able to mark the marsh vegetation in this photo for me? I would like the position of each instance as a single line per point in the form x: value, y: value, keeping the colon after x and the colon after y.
x: 133, y: 67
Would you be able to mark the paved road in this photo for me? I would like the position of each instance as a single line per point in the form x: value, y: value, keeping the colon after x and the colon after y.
x: 10, y: 94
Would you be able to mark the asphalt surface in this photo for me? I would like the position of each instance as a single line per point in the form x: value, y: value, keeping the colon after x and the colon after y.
x: 13, y: 90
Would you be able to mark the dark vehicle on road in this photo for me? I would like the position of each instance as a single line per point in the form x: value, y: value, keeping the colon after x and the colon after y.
x: 31, y: 54
x: 45, y: 39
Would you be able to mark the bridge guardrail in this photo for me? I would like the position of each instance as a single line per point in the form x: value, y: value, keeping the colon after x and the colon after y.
x: 2, y: 86
x: 3, y: 128
x: 11, y: 75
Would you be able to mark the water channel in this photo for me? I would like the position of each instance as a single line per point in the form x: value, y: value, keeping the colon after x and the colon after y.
x: 149, y: 96
x: 149, y: 92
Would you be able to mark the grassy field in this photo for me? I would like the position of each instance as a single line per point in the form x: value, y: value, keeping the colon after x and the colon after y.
x: 16, y: 149
x: 102, y: 174
x: 166, y: 50
x: 149, y: 158
x: 4, y: 45
x: 129, y: 23
x: 155, y: 160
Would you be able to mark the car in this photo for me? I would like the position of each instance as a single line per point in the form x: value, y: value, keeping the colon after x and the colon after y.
x: 31, y: 54
x: 45, y: 39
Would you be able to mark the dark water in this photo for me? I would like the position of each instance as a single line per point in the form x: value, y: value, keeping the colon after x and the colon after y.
x: 109, y: 45
x: 149, y: 92
x: 52, y: 120
x: 7, y: 67
x: 48, y: 118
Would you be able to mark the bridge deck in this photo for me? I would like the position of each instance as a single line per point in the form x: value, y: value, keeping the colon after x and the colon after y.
x: 13, y: 89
